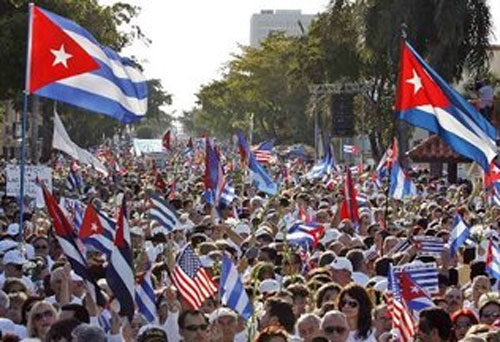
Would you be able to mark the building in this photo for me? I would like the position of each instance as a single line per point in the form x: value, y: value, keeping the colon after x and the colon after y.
x: 269, y: 21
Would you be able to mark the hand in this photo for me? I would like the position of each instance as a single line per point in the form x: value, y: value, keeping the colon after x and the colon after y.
x: 115, y: 324
x: 173, y: 304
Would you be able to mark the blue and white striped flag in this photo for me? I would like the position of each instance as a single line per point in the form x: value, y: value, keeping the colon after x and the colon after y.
x: 459, y: 234
x: 228, y: 194
x: 232, y: 291
x: 164, y: 214
x: 401, y: 184
x: 145, y: 297
x: 424, y: 274
x: 74, y: 181
x: 428, y: 245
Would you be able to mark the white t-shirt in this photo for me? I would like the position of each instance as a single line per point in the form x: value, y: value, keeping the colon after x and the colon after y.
x: 353, y: 338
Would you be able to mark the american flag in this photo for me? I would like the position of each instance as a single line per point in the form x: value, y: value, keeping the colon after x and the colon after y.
x: 402, y: 320
x: 191, y: 280
x: 264, y: 152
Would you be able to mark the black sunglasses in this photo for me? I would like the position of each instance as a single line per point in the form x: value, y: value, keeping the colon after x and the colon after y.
x: 194, y: 327
x: 332, y: 329
x: 41, y: 246
x: 351, y: 303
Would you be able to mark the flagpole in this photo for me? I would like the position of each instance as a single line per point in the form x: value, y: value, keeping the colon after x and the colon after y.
x: 23, y: 123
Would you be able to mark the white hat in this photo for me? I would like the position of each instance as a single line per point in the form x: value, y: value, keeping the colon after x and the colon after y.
x: 341, y: 263
x: 75, y: 277
x: 329, y: 236
x: 13, y: 229
x: 7, y: 326
x: 360, y: 278
x: 222, y: 312
x: 206, y: 261
x: 242, y: 228
x: 13, y: 257
x: 261, y: 232
x: 381, y: 285
x: 269, y: 286
x: 6, y: 245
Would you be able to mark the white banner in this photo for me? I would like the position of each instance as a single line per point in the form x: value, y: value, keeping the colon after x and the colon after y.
x: 31, y: 173
x: 147, y: 146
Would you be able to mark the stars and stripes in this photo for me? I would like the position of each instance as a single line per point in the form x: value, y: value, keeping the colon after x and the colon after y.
x: 459, y: 234
x: 264, y: 152
x: 232, y: 291
x: 120, y: 270
x: 68, y: 241
x: 191, y: 280
x: 163, y: 213
x: 402, y: 319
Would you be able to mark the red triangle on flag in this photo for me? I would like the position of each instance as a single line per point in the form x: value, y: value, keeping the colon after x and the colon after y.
x: 54, y: 54
x: 91, y: 224
x: 415, y: 86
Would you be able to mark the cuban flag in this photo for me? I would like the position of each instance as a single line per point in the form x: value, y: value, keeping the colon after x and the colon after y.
x: 324, y: 167
x: 97, y: 231
x: 228, y: 194
x: 144, y: 291
x: 351, y: 149
x: 214, y: 176
x: 493, y: 259
x: 425, y: 100
x: 69, y: 243
x: 231, y: 289
x: 349, y: 206
x: 74, y: 181
x: 401, y: 184
x: 305, y: 234
x: 387, y: 161
x: 459, y: 234
x: 415, y: 297
x: 260, y: 178
x: 66, y: 63
x: 120, y: 270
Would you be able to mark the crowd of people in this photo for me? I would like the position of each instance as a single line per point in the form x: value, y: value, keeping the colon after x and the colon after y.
x: 337, y: 289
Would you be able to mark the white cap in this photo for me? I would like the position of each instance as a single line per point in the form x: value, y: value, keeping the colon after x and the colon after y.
x: 222, y: 312
x: 330, y: 235
x: 75, y: 277
x: 262, y: 231
x: 242, y: 228
x: 13, y: 229
x: 360, y: 278
x: 206, y: 261
x: 6, y: 244
x: 341, y: 263
x: 381, y: 285
x: 7, y: 326
x: 269, y: 286
x: 29, y: 251
x: 13, y: 257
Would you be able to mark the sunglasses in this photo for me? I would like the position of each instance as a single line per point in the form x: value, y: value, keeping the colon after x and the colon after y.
x: 493, y: 314
x: 351, y: 303
x: 40, y: 315
x: 194, y: 328
x: 41, y: 246
x: 339, y: 330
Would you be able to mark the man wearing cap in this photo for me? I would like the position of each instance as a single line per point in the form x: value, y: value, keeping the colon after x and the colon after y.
x: 227, y: 320
x: 341, y: 271
x: 13, y: 262
x: 489, y: 307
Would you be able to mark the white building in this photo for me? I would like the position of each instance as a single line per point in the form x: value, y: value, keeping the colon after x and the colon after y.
x: 269, y: 21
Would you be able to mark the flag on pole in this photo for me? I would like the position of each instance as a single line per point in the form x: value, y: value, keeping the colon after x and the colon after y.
x: 388, y: 160
x: 401, y: 184
x: 66, y: 63
x: 228, y: 194
x: 191, y: 280
x: 120, y: 271
x: 264, y: 152
x: 68, y: 241
x: 214, y: 176
x: 459, y: 234
x: 349, y: 205
x: 97, y: 230
x: 232, y: 291
x: 425, y: 100
x: 163, y: 213
x: 414, y: 296
x: 324, y: 167
x: 493, y: 259
x: 402, y: 319
x: 305, y: 234
x: 144, y: 291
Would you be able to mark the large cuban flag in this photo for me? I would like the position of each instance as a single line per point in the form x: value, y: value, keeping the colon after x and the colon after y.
x: 425, y: 100
x: 67, y: 64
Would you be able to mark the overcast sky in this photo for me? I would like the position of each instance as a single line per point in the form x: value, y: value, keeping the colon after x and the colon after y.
x: 192, y: 39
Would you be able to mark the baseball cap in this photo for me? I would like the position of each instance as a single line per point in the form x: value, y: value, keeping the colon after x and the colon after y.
x: 13, y: 257
x: 269, y: 286
x: 7, y: 326
x: 222, y: 312
x: 13, y: 229
x: 488, y: 298
x: 342, y: 263
x: 151, y: 333
x: 329, y: 236
x: 6, y: 245
x: 242, y: 228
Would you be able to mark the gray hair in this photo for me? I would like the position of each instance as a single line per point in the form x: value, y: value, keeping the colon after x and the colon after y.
x: 307, y: 317
x: 332, y: 313
x: 86, y: 332
x: 4, y: 300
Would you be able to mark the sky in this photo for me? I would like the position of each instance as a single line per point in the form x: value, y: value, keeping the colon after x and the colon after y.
x: 192, y: 39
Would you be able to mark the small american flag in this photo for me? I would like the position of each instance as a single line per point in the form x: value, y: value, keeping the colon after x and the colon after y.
x: 191, y: 280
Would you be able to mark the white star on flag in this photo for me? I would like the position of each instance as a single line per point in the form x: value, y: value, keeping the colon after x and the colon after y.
x: 61, y: 56
x: 416, y: 81
x: 414, y: 289
x: 94, y: 227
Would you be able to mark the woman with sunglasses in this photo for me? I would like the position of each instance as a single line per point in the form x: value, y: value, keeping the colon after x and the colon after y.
x: 40, y: 319
x: 355, y: 303
x: 462, y: 320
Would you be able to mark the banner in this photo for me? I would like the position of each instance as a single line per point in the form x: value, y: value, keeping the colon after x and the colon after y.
x: 31, y: 173
x: 147, y: 146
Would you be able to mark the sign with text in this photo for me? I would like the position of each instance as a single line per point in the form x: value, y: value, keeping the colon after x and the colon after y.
x: 31, y: 173
x: 147, y: 146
